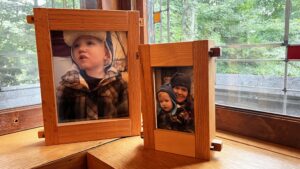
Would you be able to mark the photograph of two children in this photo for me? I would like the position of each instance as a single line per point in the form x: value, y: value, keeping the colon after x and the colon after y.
x: 91, y: 81
x: 174, y: 99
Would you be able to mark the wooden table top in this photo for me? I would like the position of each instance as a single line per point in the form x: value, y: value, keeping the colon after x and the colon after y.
x: 25, y: 150
x: 130, y: 153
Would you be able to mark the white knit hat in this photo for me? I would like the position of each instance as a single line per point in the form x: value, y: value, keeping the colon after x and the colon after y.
x: 71, y: 36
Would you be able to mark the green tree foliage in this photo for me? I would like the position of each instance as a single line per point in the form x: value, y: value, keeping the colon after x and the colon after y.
x: 17, y: 45
x: 294, y: 36
x: 234, y: 22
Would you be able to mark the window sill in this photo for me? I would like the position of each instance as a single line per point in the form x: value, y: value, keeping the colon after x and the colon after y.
x: 263, y: 145
x: 21, y: 118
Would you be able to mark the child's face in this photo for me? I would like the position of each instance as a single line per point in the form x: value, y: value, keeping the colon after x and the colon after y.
x: 167, y: 79
x: 181, y: 93
x: 165, y: 101
x: 90, y: 53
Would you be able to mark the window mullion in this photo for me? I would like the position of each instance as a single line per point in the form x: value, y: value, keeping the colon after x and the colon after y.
x: 288, y: 6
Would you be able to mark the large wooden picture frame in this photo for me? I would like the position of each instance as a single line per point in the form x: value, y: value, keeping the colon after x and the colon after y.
x: 47, y: 20
x: 196, y: 55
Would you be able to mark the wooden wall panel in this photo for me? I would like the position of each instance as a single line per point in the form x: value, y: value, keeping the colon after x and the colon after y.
x: 264, y: 126
x: 21, y: 118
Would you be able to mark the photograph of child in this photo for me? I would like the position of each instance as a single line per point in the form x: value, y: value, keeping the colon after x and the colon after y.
x: 92, y: 88
x: 175, y: 107
x: 166, y: 107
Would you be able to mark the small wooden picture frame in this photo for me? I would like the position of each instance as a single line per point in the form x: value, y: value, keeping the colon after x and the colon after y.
x: 50, y: 21
x: 194, y: 54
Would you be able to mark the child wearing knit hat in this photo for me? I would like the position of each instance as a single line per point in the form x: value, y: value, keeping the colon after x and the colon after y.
x: 166, y: 107
x: 92, y: 89
x: 169, y: 116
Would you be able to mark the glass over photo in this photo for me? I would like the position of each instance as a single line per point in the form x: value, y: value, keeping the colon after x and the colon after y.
x: 174, y: 99
x: 90, y: 74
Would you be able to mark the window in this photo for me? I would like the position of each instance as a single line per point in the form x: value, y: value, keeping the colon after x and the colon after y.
x: 253, y: 72
x: 19, y: 80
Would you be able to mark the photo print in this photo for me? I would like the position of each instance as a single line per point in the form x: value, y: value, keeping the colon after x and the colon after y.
x: 90, y: 74
x: 174, y: 98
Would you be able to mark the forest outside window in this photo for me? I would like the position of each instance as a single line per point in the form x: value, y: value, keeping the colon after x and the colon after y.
x: 254, y: 72
x: 19, y: 79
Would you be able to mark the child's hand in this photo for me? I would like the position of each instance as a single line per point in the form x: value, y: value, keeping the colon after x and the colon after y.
x: 175, y: 119
x: 184, y: 115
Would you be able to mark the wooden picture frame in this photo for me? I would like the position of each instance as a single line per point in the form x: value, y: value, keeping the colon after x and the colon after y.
x: 197, y: 55
x: 47, y: 20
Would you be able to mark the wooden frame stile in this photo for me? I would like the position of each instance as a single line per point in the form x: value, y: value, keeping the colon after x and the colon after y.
x: 46, y: 20
x: 196, y: 55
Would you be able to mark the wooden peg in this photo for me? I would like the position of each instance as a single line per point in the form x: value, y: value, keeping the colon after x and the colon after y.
x: 30, y: 19
x: 141, y: 22
x: 41, y: 134
x: 215, y: 52
x: 142, y: 134
x: 216, y: 145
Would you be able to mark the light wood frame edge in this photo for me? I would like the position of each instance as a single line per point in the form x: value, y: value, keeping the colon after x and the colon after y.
x: 204, y: 66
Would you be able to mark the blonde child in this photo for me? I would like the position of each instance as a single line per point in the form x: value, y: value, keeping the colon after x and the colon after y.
x: 93, y: 89
x: 166, y: 107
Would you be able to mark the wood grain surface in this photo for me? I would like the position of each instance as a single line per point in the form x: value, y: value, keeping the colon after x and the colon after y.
x: 25, y: 150
x: 130, y: 153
